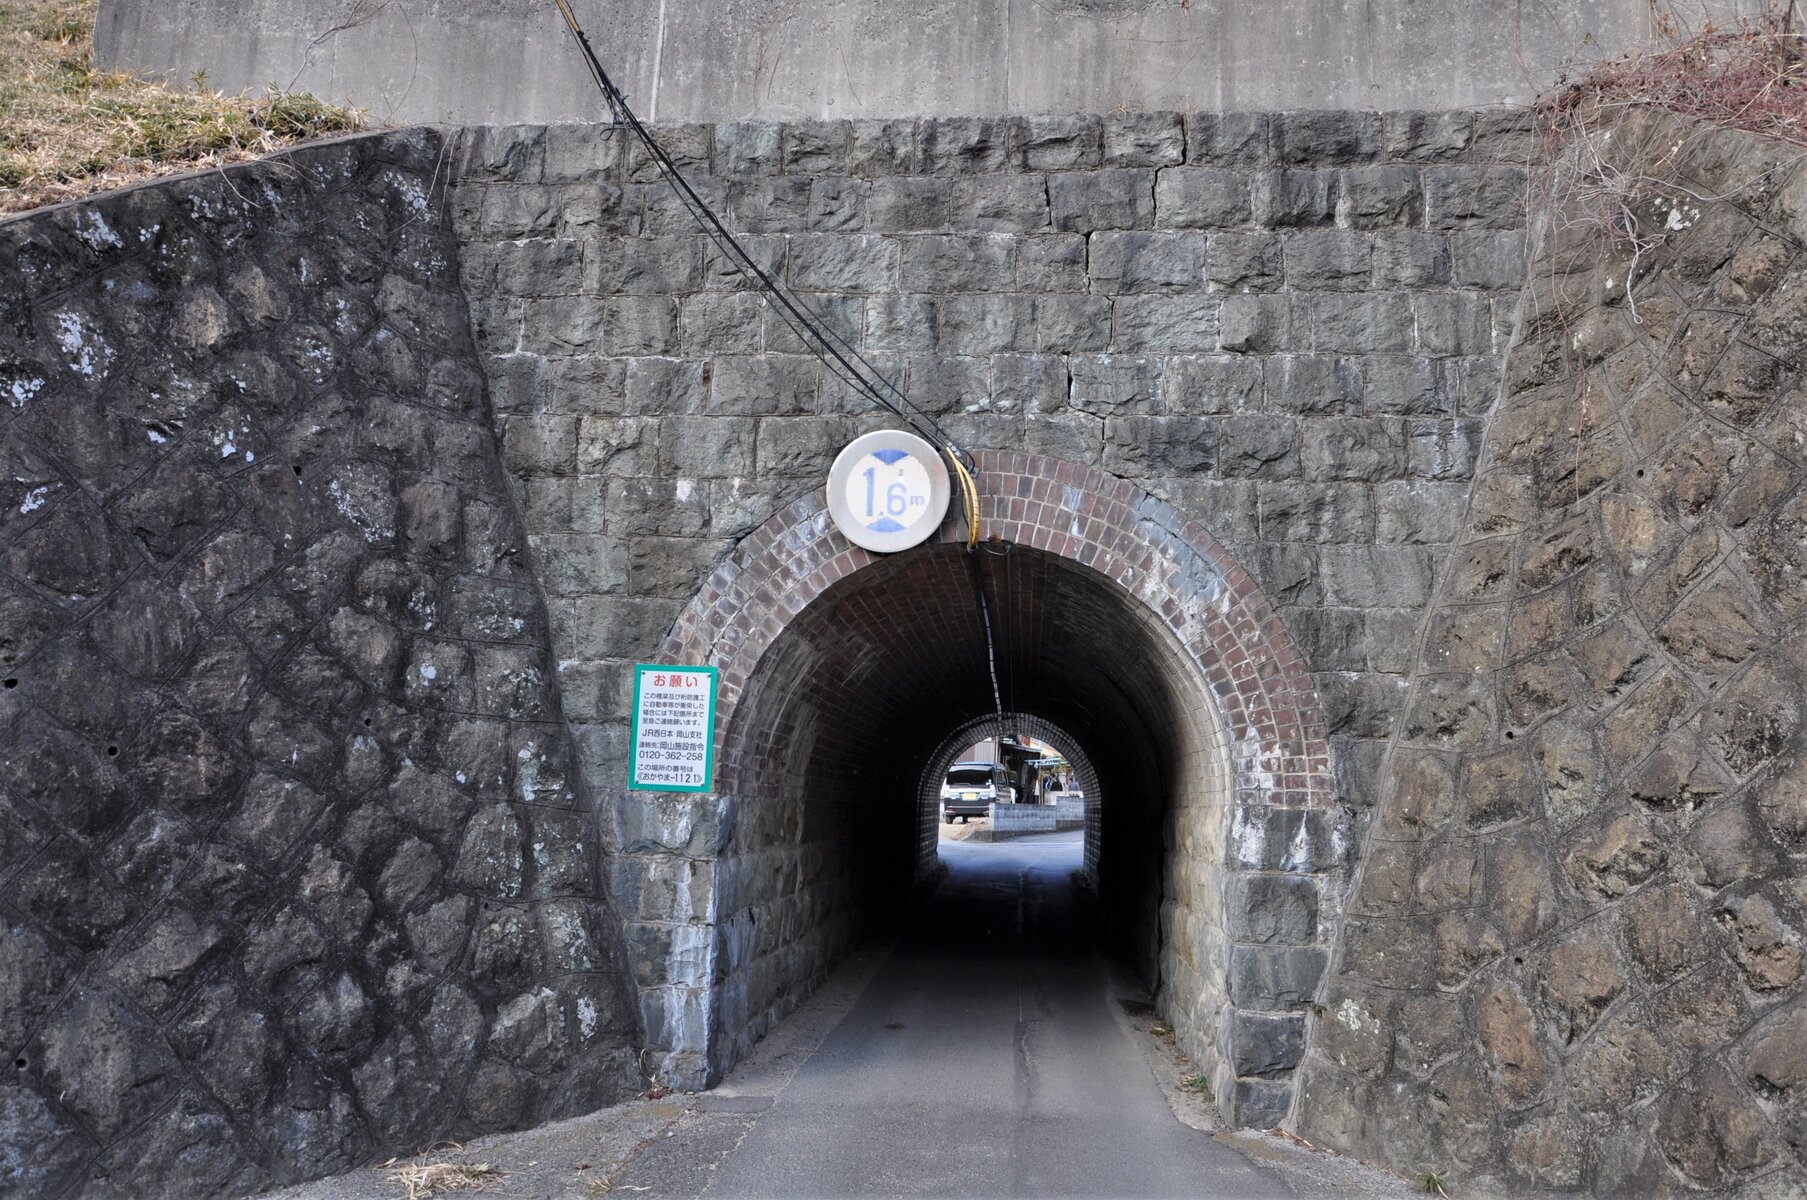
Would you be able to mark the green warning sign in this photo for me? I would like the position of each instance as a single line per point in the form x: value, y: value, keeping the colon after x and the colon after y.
x: 673, y: 731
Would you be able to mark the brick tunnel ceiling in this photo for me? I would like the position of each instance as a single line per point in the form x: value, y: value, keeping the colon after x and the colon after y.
x: 877, y: 672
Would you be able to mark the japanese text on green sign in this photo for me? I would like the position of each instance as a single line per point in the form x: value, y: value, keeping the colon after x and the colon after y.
x: 673, y: 732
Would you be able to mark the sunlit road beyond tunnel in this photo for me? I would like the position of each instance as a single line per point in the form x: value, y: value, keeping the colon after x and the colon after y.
x: 988, y: 1056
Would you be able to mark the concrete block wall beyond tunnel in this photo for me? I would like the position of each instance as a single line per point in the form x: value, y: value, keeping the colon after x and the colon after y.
x: 1082, y: 810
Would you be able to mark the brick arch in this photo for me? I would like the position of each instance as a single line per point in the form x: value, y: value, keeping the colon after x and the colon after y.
x: 1259, y: 833
x: 1170, y: 563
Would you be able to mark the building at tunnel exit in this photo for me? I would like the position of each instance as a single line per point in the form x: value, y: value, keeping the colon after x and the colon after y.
x: 1426, y: 616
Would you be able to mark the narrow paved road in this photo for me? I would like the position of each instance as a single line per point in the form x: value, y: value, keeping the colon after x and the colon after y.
x: 985, y: 1058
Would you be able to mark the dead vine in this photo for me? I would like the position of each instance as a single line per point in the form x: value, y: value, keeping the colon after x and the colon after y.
x: 1751, y: 77
x: 1617, y: 176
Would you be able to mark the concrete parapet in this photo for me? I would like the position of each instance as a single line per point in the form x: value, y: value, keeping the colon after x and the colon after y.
x: 440, y: 61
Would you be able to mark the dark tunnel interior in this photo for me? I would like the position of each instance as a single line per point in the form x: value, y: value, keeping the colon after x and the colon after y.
x: 826, y: 752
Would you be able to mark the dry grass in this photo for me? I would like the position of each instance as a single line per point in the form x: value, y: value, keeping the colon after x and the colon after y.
x: 1751, y: 76
x: 68, y: 128
x: 1200, y: 1085
x: 419, y: 1181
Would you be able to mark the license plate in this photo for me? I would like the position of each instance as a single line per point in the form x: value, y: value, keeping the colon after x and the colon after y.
x: 969, y: 795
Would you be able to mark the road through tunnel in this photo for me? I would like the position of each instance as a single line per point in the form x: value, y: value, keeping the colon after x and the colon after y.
x: 827, y: 748
x: 1114, y: 621
x: 1076, y: 778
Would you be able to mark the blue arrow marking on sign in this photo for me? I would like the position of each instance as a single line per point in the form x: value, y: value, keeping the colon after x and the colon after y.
x: 889, y: 458
x: 884, y: 525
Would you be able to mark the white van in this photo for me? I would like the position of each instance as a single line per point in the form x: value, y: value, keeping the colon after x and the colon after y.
x: 971, y: 788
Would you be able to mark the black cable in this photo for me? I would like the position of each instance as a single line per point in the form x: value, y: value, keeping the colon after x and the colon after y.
x: 1007, y: 619
x: 991, y: 655
x: 811, y: 328
x: 1010, y: 616
x: 832, y: 349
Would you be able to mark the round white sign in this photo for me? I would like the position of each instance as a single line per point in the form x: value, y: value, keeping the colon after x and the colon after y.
x: 888, y: 491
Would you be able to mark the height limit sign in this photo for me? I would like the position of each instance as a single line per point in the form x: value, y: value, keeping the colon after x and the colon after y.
x: 673, y: 746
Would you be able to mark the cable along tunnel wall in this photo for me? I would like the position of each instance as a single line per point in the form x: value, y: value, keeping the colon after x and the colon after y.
x: 842, y: 673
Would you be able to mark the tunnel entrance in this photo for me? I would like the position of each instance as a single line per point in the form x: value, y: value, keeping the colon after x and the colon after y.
x: 1122, y: 628
x: 827, y: 748
x: 1020, y: 741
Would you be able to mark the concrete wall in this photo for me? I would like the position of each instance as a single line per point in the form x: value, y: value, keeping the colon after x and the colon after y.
x: 698, y: 60
x: 1021, y: 818
x: 1574, y: 959
x: 296, y: 870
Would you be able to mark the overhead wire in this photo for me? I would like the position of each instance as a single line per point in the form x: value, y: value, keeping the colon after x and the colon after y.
x: 991, y: 653
x: 815, y: 332
x: 1005, y: 624
x: 842, y: 359
x: 1008, y: 604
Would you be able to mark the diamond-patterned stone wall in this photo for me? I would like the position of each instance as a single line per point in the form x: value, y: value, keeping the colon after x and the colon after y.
x: 1574, y: 957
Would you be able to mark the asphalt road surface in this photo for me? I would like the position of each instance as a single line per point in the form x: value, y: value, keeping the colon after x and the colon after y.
x: 988, y: 1056
x: 983, y: 1052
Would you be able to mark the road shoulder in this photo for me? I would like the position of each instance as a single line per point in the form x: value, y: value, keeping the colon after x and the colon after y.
x: 663, y: 1145
x: 1312, y: 1173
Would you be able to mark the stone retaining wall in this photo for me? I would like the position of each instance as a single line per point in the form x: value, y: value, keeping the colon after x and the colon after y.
x: 1287, y: 326
x: 1290, y: 327
x: 335, y: 485
x: 296, y: 869
x: 1574, y: 959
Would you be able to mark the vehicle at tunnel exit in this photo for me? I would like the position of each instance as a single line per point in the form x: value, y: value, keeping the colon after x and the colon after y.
x: 971, y: 788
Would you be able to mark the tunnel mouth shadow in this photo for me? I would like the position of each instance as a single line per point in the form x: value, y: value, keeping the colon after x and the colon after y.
x: 1025, y: 899
x: 847, y: 727
x: 1117, y: 618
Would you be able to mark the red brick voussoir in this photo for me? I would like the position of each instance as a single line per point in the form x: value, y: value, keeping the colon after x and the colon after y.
x: 1263, y: 689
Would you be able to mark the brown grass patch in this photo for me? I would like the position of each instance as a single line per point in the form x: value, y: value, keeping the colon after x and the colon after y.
x: 421, y: 1181
x: 71, y: 129
x: 1613, y: 172
x: 1751, y: 76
